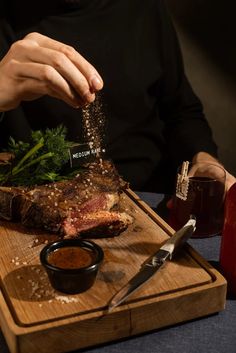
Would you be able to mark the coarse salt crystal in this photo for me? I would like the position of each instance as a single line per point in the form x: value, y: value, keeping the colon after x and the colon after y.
x: 63, y: 299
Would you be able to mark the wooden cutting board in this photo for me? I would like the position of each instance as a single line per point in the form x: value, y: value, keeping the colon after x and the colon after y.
x: 36, y: 319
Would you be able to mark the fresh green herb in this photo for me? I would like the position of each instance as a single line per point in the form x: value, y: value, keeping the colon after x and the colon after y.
x: 42, y: 160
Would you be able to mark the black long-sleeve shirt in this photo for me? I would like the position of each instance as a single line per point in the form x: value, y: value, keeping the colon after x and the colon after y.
x: 152, y: 112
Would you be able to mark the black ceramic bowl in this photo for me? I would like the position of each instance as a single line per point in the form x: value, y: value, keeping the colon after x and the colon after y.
x: 71, y: 264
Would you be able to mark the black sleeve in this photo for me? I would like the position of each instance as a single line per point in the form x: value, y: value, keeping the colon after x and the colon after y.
x: 6, y: 37
x: 1, y: 116
x: 186, y: 129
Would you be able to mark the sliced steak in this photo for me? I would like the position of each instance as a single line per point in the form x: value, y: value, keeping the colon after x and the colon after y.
x: 96, y: 224
x: 82, y: 206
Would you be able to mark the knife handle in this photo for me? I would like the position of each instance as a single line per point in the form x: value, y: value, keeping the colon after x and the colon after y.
x: 180, y: 237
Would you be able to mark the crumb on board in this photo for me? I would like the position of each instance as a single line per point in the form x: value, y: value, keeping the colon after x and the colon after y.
x: 38, y: 288
x: 66, y: 299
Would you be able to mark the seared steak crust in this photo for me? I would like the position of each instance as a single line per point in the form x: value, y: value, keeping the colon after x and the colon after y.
x: 76, y: 207
x: 8, y: 200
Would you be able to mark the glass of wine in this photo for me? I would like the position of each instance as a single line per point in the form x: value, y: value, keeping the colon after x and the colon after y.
x: 201, y: 194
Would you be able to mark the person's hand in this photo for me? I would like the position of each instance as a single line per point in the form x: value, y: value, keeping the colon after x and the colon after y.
x: 38, y: 65
x: 206, y: 157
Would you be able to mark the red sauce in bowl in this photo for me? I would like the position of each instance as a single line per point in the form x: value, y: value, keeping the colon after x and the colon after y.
x: 71, y: 257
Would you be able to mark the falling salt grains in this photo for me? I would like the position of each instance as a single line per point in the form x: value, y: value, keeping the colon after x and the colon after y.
x: 94, y: 125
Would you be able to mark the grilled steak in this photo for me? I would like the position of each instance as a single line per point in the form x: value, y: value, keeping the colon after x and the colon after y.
x: 82, y: 206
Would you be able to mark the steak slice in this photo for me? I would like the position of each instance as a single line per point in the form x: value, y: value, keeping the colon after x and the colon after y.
x: 97, y: 224
x: 83, y: 206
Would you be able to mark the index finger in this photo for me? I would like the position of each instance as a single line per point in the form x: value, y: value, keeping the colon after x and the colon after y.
x: 90, y: 73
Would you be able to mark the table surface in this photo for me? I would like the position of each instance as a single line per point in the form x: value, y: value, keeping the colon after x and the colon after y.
x: 212, y: 334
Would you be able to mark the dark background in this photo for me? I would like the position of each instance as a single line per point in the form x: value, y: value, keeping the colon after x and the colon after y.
x: 206, y: 29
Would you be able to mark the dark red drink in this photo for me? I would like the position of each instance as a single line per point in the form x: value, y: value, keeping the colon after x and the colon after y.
x: 228, y: 241
x: 205, y: 201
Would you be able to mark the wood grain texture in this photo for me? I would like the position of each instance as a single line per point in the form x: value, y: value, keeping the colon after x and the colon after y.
x: 35, y: 318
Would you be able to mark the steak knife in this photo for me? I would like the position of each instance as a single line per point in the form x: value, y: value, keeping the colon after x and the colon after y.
x: 155, y: 263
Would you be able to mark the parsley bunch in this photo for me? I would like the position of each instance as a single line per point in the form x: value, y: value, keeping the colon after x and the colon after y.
x: 40, y: 161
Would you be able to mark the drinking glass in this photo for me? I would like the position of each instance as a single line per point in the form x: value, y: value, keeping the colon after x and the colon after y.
x: 204, y: 199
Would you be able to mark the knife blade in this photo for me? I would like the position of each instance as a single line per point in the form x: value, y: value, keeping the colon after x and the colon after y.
x: 155, y: 263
